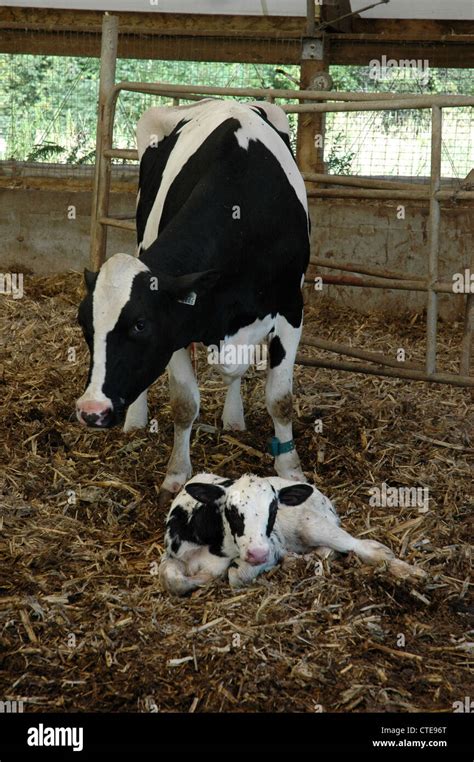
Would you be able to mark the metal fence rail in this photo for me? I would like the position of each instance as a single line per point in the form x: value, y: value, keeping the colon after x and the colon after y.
x: 310, y: 101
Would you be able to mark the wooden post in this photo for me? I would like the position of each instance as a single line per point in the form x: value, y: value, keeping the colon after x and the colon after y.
x: 310, y: 134
x: 101, y: 188
x: 432, y: 308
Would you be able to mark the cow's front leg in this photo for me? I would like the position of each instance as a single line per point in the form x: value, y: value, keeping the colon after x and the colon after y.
x: 184, y: 396
x: 137, y: 413
x: 279, y: 397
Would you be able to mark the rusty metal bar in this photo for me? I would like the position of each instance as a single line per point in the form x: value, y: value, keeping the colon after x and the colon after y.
x: 363, y: 182
x: 411, y: 375
x: 101, y: 187
x: 121, y: 153
x: 433, y: 236
x: 346, y: 349
x: 310, y: 18
x: 415, y: 102
x: 467, y: 337
x: 439, y: 287
x: 362, y: 101
x: 116, y: 222
x: 420, y: 195
x: 468, y: 328
x: 355, y: 267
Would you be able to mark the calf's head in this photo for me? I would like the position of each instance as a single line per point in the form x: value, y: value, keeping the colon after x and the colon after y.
x: 131, y: 320
x: 250, y: 510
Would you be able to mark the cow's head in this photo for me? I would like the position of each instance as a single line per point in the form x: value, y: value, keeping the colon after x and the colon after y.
x: 131, y: 320
x: 250, y: 510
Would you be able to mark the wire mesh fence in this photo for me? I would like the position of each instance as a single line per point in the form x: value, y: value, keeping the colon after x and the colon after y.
x: 397, y: 143
x: 48, y: 103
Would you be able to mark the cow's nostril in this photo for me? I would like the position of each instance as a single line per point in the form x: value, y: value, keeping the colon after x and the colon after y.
x: 99, y: 420
x: 89, y: 418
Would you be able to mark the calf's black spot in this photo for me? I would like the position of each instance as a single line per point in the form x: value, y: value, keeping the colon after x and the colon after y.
x: 202, y: 526
x: 272, y: 514
x: 235, y: 519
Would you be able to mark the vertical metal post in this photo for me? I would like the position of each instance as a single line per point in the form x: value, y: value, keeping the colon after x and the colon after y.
x: 468, y: 335
x: 310, y: 18
x: 433, y: 238
x: 101, y: 188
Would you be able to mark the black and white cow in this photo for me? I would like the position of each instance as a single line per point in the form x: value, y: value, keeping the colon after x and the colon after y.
x: 222, y: 226
x: 241, y: 528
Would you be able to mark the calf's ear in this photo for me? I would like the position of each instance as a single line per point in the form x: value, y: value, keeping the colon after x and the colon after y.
x: 295, y: 494
x: 204, y: 493
x: 181, y: 285
x: 90, y: 279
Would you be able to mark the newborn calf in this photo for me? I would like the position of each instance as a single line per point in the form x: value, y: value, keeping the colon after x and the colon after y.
x: 246, y: 526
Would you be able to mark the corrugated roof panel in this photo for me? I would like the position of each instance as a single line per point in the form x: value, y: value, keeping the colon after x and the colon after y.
x: 428, y: 9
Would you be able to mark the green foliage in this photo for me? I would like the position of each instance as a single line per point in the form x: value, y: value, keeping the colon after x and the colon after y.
x: 338, y: 163
x: 48, y: 104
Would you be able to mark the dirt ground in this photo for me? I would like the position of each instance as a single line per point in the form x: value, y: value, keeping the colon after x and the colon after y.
x: 84, y: 625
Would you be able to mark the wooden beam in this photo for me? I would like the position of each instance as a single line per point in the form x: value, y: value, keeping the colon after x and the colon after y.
x: 152, y: 47
x: 214, y: 25
x: 359, y: 51
x: 251, y: 39
x: 412, y: 29
x: 173, y: 24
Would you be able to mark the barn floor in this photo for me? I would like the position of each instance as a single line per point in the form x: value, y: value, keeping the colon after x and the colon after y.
x: 83, y: 623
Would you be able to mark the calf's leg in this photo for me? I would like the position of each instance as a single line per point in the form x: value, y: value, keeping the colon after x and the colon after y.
x: 316, y: 532
x: 180, y: 576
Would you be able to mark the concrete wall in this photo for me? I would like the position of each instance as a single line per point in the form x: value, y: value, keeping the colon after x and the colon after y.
x: 38, y: 237
x: 37, y: 232
x: 367, y: 231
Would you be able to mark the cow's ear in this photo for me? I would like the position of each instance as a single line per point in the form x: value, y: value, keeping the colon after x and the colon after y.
x: 295, y: 494
x: 204, y: 493
x: 90, y: 279
x: 182, y: 285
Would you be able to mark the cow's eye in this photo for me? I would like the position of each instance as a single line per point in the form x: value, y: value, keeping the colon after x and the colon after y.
x: 139, y: 326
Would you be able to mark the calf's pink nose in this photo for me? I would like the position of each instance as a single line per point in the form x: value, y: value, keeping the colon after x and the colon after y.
x: 257, y: 556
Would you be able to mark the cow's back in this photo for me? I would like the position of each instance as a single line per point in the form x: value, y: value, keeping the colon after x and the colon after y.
x: 223, y: 168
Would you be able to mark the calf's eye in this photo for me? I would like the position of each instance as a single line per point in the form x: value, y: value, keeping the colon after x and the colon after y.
x: 139, y: 326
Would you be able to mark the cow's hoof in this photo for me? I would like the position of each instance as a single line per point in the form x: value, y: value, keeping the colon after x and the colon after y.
x: 165, y: 498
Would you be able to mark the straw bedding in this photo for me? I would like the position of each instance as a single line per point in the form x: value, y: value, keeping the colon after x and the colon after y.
x: 84, y: 624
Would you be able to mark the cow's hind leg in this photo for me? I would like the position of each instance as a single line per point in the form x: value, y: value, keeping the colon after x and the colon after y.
x: 283, y: 345
x: 137, y: 413
x: 233, y: 414
x: 316, y: 532
x: 184, y: 397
